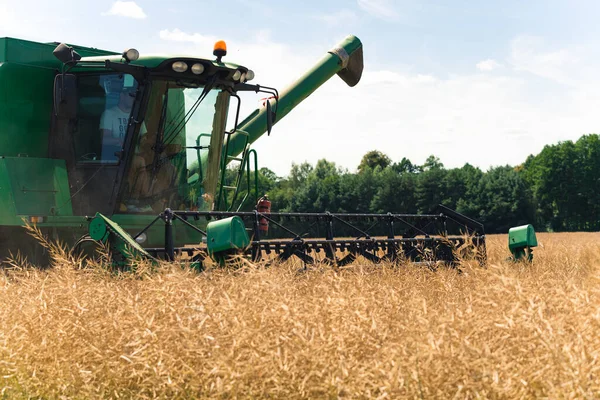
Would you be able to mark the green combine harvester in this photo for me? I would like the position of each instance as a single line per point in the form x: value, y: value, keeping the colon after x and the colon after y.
x: 114, y: 148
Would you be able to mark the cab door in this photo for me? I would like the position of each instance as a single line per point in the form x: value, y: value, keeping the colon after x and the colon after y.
x: 92, y: 143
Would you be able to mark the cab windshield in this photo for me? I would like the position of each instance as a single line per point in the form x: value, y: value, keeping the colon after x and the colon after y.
x: 166, y: 169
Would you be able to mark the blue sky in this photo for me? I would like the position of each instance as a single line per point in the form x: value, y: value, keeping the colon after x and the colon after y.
x: 486, y: 83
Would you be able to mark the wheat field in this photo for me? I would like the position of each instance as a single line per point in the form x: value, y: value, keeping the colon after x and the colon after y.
x: 366, y: 331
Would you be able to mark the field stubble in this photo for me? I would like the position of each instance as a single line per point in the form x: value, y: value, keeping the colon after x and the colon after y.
x: 506, y: 331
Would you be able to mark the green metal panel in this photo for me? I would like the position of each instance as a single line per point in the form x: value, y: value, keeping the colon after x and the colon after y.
x: 33, y: 187
x: 226, y: 234
x: 40, y: 54
x: 521, y: 236
x: 120, y: 239
x: 8, y: 212
x: 25, y: 109
x: 25, y: 52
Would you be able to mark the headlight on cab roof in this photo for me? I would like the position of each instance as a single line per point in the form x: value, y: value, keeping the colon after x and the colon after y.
x: 197, y: 68
x: 131, y: 55
x: 237, y: 75
x: 249, y: 75
x: 179, y: 66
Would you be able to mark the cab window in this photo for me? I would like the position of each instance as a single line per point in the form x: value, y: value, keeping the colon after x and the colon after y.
x: 105, y: 103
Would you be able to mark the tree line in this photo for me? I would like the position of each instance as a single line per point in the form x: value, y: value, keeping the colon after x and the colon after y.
x: 556, y: 190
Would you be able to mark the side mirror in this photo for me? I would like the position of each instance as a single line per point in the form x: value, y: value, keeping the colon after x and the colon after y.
x: 65, y: 96
x: 66, y: 54
x: 269, y: 117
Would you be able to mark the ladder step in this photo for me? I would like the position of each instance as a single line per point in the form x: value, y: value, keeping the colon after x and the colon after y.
x: 235, y: 158
x: 229, y: 187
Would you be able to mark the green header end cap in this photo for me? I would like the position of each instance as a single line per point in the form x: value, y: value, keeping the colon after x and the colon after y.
x: 225, y: 235
x: 119, y: 238
x: 97, y: 229
x: 520, y: 237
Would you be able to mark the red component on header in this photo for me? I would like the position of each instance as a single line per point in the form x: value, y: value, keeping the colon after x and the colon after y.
x: 264, y: 207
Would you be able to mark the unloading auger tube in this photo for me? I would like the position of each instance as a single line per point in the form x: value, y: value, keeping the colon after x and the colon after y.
x: 345, y: 60
x: 422, y: 239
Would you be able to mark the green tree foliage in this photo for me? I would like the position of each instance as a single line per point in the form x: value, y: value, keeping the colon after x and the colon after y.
x: 405, y: 166
x: 283, y: 194
x: 374, y: 159
x: 432, y: 162
x: 321, y: 189
x: 558, y: 189
x: 565, y: 182
x: 501, y: 199
x: 395, y: 191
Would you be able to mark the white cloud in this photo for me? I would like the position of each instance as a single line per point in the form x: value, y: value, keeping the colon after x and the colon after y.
x: 488, y: 65
x: 378, y: 8
x: 531, y: 54
x: 177, y: 35
x: 126, y: 9
x: 339, y: 18
x: 389, y: 77
x: 10, y: 25
x: 481, y: 119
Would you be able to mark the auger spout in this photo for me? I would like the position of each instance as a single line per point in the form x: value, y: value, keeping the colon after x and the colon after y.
x: 345, y: 60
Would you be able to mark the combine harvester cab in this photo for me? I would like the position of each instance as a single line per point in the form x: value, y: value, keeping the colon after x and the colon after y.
x: 132, y: 151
